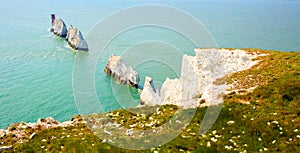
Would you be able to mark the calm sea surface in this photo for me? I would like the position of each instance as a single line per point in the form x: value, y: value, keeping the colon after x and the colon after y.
x: 36, y: 67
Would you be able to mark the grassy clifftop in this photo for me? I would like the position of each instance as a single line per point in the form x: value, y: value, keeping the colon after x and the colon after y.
x: 266, y: 119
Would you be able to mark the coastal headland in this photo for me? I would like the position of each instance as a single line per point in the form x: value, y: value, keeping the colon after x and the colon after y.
x: 260, y: 112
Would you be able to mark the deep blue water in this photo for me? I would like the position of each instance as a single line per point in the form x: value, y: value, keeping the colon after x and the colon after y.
x: 36, y: 67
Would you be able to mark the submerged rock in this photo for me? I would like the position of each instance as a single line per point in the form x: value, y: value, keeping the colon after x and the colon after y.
x: 59, y: 28
x: 76, y: 40
x: 121, y: 71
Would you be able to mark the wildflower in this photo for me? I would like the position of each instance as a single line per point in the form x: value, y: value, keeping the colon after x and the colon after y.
x: 265, y: 149
x: 268, y: 123
x: 235, y: 144
x: 208, y: 144
x: 290, y: 139
x: 259, y: 139
x: 252, y: 119
x: 229, y: 109
x: 274, y: 141
x: 275, y: 114
x: 296, y: 130
x: 298, y: 136
x: 244, y: 116
x: 228, y: 147
x: 280, y: 128
x: 107, y: 132
x: 230, y: 122
x: 275, y: 122
x: 193, y: 134
x: 213, y: 139
x: 254, y: 107
x: 214, y: 132
x: 218, y: 136
x: 177, y: 121
x: 245, y: 145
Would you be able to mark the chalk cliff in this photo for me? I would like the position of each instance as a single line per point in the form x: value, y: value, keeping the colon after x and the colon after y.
x: 121, y: 71
x: 59, y: 27
x: 201, y: 81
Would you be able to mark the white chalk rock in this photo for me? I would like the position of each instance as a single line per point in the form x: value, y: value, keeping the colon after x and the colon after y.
x: 121, y: 71
x: 199, y: 75
x: 150, y: 96
x: 2, y: 132
x: 76, y: 40
x: 59, y: 28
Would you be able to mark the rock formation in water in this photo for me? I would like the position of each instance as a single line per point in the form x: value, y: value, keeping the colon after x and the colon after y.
x: 202, y: 79
x: 75, y: 39
x: 150, y: 94
x: 121, y: 71
x: 72, y: 35
x: 59, y: 27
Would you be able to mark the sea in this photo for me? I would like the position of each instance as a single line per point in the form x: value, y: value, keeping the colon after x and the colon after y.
x: 37, y: 68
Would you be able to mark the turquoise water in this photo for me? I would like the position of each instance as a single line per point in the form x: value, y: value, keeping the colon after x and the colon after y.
x: 36, y: 67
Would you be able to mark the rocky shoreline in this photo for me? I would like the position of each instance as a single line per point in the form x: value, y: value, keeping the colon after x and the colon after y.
x: 23, y: 132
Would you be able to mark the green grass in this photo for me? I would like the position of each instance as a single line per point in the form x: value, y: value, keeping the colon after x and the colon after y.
x: 269, y: 122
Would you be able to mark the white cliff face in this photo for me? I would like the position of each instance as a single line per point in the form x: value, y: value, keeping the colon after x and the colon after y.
x: 76, y: 40
x: 200, y: 79
x: 59, y: 28
x: 121, y: 71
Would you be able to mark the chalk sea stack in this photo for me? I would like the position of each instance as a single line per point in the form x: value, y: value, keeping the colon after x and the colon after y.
x: 59, y: 27
x: 73, y: 36
x: 76, y: 40
x: 121, y: 71
x: 150, y: 96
